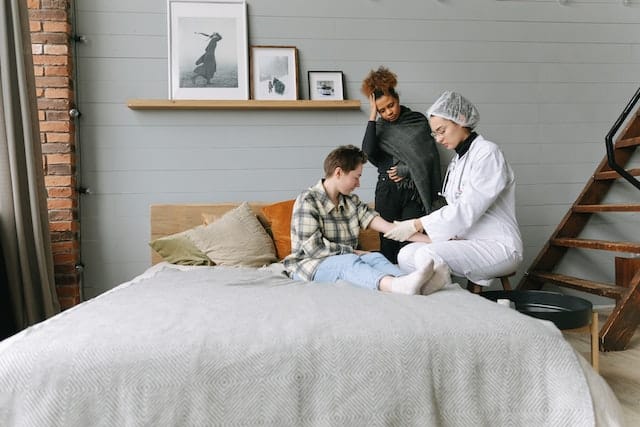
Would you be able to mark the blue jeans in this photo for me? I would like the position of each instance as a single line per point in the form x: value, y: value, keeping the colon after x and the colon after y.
x: 364, y: 271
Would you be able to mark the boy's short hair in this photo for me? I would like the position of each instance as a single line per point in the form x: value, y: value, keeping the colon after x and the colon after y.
x: 346, y: 157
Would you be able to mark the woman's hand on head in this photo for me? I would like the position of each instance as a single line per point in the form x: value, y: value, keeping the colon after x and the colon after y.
x: 373, y: 110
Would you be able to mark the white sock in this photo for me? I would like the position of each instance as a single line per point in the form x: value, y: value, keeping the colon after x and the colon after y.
x: 411, y: 283
x: 441, y: 277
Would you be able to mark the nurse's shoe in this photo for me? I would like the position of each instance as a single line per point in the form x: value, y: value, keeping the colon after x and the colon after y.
x: 441, y: 277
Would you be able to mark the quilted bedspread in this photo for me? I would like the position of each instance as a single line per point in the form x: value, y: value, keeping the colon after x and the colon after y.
x: 239, y: 346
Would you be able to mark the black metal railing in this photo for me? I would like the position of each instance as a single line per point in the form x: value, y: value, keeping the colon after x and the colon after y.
x: 609, y: 141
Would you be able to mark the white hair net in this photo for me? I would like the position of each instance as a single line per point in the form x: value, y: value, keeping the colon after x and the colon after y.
x: 455, y: 107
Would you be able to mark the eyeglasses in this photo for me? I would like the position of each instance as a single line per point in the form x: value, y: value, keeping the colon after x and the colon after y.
x: 439, y: 132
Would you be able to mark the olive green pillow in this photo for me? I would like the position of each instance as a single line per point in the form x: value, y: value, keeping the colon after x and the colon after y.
x: 179, y: 249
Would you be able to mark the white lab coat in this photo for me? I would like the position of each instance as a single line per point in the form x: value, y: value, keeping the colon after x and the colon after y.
x: 476, y: 233
x: 480, y: 192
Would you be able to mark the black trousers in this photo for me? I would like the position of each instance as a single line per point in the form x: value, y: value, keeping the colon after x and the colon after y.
x: 395, y: 203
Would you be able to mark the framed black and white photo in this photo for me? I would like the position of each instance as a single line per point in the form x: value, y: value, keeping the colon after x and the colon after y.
x: 326, y: 85
x: 274, y: 72
x: 208, y: 49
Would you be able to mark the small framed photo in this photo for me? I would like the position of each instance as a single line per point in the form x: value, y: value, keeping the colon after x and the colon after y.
x: 208, y: 49
x: 274, y: 72
x: 326, y: 85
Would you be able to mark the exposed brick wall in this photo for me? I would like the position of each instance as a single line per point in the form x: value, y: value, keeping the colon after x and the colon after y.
x: 51, y: 35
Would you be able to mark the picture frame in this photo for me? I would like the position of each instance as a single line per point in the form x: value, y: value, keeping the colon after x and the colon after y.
x: 326, y: 85
x: 208, y: 49
x: 274, y: 72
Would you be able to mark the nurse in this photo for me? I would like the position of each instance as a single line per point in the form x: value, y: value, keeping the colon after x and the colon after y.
x: 476, y: 234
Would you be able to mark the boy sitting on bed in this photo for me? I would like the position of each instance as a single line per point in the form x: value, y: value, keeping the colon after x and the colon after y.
x: 325, y: 224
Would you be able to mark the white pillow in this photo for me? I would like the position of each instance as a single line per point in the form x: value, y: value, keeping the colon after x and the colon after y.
x: 236, y: 239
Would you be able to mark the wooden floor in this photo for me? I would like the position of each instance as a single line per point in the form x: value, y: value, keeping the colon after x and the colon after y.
x: 621, y: 369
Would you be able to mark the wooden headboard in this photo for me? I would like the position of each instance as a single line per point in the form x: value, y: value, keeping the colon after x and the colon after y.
x: 169, y: 219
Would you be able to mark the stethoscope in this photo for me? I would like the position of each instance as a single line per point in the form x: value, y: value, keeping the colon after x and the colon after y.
x: 451, y: 167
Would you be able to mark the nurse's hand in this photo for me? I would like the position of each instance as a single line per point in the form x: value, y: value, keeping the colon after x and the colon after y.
x: 402, y: 230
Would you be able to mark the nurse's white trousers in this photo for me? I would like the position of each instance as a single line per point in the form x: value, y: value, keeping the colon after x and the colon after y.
x: 477, y: 260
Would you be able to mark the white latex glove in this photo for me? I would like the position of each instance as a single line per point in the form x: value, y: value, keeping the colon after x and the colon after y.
x: 402, y: 230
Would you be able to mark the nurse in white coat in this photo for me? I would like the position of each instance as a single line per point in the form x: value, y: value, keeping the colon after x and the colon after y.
x: 476, y: 234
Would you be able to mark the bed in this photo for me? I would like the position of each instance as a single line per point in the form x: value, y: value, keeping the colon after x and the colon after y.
x: 195, y: 345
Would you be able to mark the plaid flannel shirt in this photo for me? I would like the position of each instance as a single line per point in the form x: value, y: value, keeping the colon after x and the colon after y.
x: 320, y: 229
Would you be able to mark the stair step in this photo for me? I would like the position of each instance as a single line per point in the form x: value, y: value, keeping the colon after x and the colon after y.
x: 623, y: 322
x: 614, y: 175
x: 622, y: 207
x: 597, y: 244
x: 607, y: 290
x: 628, y: 142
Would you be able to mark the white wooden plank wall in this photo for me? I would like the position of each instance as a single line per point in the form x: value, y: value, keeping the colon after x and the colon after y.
x: 549, y: 80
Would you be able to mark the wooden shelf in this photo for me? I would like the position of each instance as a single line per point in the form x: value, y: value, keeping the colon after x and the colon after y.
x: 252, y: 104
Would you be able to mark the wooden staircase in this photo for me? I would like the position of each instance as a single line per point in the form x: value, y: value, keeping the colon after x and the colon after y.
x: 625, y: 318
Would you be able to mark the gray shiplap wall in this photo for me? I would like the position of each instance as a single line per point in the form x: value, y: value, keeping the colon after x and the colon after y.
x: 549, y: 80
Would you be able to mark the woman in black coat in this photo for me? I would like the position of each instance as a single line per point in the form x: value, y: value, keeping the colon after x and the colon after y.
x: 398, y: 142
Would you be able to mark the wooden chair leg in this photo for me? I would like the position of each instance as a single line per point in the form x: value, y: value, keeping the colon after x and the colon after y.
x: 504, y: 280
x: 473, y: 287
x: 595, y: 341
x: 593, y: 330
x: 505, y: 283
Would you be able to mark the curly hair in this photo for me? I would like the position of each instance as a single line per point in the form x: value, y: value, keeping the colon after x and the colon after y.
x: 380, y: 82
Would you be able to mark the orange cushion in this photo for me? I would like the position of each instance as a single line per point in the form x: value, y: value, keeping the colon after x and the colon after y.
x: 279, y: 216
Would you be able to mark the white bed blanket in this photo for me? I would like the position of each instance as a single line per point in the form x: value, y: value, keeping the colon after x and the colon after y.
x: 235, y: 346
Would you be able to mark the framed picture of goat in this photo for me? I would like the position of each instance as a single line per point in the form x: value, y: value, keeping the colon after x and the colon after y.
x: 274, y: 72
x: 208, y: 49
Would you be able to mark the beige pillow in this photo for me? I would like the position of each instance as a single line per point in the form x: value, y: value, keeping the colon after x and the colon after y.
x: 236, y: 239
x: 208, y: 218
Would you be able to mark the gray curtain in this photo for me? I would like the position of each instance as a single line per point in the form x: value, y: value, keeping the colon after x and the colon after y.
x: 24, y: 227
